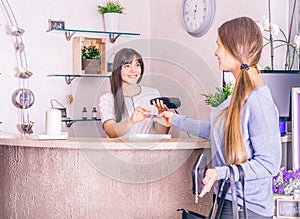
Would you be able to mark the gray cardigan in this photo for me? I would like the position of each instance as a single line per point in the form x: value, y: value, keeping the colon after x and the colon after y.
x: 260, y: 129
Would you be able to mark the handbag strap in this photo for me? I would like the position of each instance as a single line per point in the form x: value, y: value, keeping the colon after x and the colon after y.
x: 235, y: 212
x: 215, y: 201
x: 242, y: 179
x: 234, y: 196
x: 222, y: 199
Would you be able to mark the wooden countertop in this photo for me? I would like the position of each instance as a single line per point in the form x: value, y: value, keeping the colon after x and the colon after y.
x: 115, y: 143
x: 106, y: 143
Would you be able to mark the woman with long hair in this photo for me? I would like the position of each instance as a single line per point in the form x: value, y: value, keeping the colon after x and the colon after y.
x: 244, y: 129
x: 127, y: 109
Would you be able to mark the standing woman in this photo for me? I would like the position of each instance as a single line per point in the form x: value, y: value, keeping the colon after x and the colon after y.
x: 244, y: 129
x: 127, y: 108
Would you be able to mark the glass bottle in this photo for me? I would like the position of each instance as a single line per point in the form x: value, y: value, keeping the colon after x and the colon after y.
x: 94, y: 113
x: 84, y: 113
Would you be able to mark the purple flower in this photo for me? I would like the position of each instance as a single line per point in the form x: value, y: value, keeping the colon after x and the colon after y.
x: 286, y: 177
x: 276, y: 176
x: 274, y: 188
x: 285, y: 181
x: 280, y: 190
x: 297, y: 174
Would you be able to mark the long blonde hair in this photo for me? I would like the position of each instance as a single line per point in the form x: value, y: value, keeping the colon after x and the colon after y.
x: 242, y: 38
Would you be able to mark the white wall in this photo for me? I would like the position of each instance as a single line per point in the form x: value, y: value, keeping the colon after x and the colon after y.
x: 177, y: 64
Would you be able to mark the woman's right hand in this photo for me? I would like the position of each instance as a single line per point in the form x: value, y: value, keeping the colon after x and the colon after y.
x: 167, y: 115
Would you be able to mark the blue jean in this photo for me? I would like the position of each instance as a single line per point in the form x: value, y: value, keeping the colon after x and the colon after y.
x: 227, y: 212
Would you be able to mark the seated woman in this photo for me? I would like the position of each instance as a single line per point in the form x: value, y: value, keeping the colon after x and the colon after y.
x: 127, y: 109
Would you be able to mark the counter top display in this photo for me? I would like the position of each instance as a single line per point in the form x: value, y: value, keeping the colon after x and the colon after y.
x: 98, y: 178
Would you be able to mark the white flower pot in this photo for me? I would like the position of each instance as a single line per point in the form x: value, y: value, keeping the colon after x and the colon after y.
x: 111, y: 22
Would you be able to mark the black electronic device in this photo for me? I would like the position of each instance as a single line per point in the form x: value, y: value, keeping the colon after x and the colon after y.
x: 198, y: 173
x: 170, y: 102
x: 280, y: 83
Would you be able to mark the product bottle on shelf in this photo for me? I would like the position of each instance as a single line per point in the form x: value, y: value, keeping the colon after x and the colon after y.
x: 84, y: 113
x: 94, y: 113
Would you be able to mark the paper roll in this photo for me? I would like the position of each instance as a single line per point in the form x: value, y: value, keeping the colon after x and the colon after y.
x: 53, y: 122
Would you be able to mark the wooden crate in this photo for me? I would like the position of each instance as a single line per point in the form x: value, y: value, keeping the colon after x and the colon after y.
x: 79, y: 43
x: 287, y: 207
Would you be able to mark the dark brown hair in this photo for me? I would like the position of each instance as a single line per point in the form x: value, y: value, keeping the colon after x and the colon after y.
x: 124, y: 56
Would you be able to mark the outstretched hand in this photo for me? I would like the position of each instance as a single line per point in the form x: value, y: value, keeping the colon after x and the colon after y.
x: 208, y: 181
x: 167, y: 115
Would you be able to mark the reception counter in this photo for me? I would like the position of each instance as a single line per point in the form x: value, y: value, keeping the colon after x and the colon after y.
x: 98, y: 178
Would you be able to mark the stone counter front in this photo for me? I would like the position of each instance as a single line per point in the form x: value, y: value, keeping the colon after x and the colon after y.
x: 98, y: 178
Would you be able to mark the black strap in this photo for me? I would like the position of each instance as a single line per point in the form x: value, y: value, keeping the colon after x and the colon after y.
x: 222, y: 199
x: 242, y: 179
x: 226, y: 185
x: 234, y: 196
x: 215, y: 201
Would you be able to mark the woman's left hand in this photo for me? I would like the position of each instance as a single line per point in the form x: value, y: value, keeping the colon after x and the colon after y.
x: 208, y: 181
x: 159, y: 104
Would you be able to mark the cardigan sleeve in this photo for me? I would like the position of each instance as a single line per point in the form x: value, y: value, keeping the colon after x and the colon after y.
x: 195, y: 127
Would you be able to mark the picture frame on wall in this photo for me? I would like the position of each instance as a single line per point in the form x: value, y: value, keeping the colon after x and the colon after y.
x: 296, y: 126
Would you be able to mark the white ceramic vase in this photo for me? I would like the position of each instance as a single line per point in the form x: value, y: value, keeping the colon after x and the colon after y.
x: 111, y: 22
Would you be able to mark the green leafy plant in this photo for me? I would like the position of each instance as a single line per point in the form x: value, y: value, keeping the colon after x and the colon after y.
x: 111, y: 7
x: 219, y: 96
x: 90, y: 52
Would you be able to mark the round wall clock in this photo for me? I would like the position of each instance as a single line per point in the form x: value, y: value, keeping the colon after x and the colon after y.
x: 197, y: 16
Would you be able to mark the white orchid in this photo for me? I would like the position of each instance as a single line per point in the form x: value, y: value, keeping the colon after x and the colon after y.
x: 266, y: 23
x: 268, y: 27
x: 297, y: 41
x: 274, y: 29
x: 292, y: 48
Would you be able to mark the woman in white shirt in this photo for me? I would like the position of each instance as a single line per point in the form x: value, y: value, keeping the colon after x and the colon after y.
x: 127, y: 109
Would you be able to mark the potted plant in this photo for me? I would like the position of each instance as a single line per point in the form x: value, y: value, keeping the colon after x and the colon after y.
x: 219, y: 96
x: 111, y: 13
x: 90, y: 57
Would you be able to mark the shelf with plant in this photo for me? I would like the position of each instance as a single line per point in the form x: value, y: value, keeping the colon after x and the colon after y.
x: 108, y: 8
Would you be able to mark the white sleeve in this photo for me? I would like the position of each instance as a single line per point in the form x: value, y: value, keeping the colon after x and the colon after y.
x: 106, y: 107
